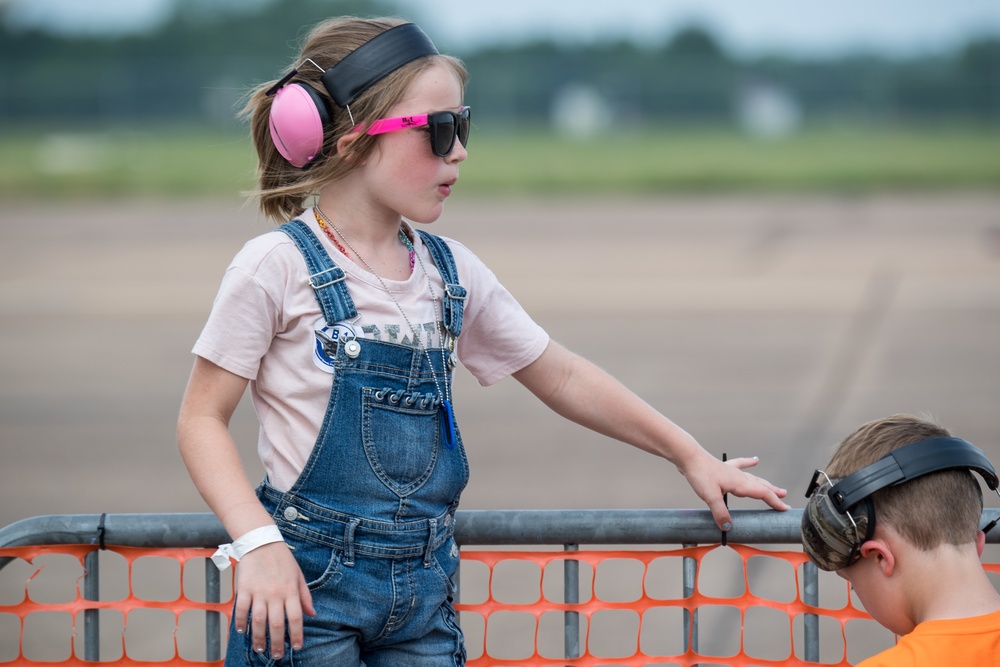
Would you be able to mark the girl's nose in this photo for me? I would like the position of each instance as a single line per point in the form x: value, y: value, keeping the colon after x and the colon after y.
x: 458, y: 152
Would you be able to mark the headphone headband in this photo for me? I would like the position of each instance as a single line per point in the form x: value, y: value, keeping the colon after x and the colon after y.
x: 299, y: 115
x: 840, y: 514
x: 909, y: 462
x: 374, y: 60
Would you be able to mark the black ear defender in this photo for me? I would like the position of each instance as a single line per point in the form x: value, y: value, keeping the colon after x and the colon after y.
x: 840, y: 516
x: 299, y: 114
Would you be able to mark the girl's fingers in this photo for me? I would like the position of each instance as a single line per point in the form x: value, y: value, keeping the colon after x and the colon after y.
x: 276, y: 628
x: 743, y: 462
x: 293, y: 611
x: 258, y: 629
x: 720, y: 513
x: 241, y: 612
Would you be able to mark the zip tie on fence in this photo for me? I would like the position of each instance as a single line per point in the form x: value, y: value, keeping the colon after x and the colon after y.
x: 99, y: 535
x: 725, y: 499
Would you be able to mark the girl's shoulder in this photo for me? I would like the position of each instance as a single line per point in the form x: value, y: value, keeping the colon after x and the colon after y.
x: 272, y: 250
x: 464, y: 257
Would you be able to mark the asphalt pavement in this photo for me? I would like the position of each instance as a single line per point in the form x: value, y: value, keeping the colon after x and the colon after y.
x: 764, y: 325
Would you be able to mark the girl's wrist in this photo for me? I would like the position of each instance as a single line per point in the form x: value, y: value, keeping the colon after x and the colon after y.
x: 246, y: 543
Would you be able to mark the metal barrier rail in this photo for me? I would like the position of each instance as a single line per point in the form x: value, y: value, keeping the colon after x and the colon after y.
x: 567, y: 528
x: 472, y: 527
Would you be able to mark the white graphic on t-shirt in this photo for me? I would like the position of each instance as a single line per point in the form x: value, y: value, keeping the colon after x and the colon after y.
x: 393, y: 331
x: 327, y: 341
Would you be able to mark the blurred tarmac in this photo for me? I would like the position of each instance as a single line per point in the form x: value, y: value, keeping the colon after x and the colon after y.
x: 764, y: 325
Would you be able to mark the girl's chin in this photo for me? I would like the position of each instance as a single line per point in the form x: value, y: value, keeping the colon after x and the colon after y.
x: 427, y: 217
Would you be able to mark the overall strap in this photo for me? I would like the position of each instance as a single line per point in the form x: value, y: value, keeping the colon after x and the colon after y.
x: 325, y: 277
x: 454, y: 293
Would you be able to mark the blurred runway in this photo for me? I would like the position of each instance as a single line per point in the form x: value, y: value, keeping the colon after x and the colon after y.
x: 764, y: 325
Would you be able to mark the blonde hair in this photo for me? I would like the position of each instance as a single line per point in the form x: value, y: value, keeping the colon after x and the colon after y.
x: 282, y: 189
x: 940, y: 507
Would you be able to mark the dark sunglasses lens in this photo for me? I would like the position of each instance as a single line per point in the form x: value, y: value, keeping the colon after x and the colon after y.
x: 464, y: 121
x: 443, y: 131
x: 442, y: 127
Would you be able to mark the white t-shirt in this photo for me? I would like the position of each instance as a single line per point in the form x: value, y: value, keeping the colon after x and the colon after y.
x: 264, y: 320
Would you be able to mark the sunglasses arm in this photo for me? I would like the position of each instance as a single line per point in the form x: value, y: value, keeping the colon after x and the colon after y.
x: 393, y: 124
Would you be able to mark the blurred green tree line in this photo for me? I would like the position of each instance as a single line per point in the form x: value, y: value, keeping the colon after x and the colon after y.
x: 195, y: 68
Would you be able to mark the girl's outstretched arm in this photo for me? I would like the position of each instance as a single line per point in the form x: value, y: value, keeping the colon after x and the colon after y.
x: 270, y: 580
x: 573, y: 387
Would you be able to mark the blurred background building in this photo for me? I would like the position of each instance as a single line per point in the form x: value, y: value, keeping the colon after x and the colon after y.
x: 577, y: 65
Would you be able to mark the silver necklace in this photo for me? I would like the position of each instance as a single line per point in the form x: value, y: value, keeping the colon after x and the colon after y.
x: 447, y: 414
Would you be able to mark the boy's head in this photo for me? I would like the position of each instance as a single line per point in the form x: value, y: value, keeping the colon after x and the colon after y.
x: 926, y: 493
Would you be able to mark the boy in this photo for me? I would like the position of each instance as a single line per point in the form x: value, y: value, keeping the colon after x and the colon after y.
x: 917, y: 569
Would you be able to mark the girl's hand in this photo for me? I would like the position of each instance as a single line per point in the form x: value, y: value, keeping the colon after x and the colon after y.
x: 271, y: 590
x: 711, y: 479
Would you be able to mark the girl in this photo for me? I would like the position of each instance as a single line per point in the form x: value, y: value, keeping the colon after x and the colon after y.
x: 347, y: 324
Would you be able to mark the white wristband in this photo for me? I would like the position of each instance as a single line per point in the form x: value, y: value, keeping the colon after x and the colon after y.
x: 239, y: 548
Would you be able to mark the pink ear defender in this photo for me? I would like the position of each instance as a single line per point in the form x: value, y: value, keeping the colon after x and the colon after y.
x: 299, y: 113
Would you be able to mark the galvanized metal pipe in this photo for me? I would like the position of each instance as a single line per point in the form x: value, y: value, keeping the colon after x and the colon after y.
x: 571, y: 595
x: 472, y: 527
x: 91, y: 617
x: 690, y: 576
x: 213, y: 619
x: 810, y: 624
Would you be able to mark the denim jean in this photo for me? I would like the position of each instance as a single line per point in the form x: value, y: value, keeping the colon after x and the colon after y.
x: 371, y: 517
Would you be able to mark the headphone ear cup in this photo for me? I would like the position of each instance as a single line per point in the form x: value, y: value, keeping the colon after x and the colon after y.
x: 297, y: 120
x: 830, y: 538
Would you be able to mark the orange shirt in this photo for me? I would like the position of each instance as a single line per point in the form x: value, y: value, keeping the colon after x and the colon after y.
x: 961, y: 641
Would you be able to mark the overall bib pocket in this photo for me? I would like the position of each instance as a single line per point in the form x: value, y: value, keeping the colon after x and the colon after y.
x: 401, y: 435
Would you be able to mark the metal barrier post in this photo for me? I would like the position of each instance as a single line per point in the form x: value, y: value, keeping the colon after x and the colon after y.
x: 810, y: 624
x: 91, y: 617
x: 571, y: 595
x: 690, y: 618
x: 456, y: 581
x: 213, y: 619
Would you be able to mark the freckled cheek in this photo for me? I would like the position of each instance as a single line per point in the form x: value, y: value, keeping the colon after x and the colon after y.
x: 420, y: 173
x: 410, y: 181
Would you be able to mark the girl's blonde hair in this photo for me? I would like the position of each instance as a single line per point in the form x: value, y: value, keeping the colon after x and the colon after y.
x: 282, y: 189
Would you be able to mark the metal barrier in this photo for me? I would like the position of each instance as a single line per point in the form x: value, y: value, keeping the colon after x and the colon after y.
x: 566, y: 528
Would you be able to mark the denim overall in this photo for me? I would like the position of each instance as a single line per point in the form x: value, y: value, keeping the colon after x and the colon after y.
x: 371, y: 518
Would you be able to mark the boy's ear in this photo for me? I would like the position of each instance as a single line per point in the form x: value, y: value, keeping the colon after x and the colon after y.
x: 980, y: 543
x: 880, y: 554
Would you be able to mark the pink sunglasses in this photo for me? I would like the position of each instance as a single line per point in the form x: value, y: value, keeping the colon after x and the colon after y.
x: 444, y: 127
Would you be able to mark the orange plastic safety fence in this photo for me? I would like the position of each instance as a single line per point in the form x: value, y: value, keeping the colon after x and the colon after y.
x: 490, y: 612
x: 643, y: 607
x: 129, y: 605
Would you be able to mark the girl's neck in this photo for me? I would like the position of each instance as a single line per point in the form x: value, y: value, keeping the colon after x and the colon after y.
x: 372, y: 243
x: 362, y: 223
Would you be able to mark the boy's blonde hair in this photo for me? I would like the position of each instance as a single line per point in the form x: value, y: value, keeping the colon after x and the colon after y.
x: 943, y: 507
x: 281, y: 188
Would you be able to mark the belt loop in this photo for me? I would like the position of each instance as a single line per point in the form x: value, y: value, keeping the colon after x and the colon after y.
x: 352, y: 525
x: 429, y: 551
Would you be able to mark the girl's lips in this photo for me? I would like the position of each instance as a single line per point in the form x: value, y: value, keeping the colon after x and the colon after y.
x: 445, y: 188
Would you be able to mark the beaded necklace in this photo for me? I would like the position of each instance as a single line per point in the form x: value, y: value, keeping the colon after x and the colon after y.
x: 447, y: 415
x: 403, y: 238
